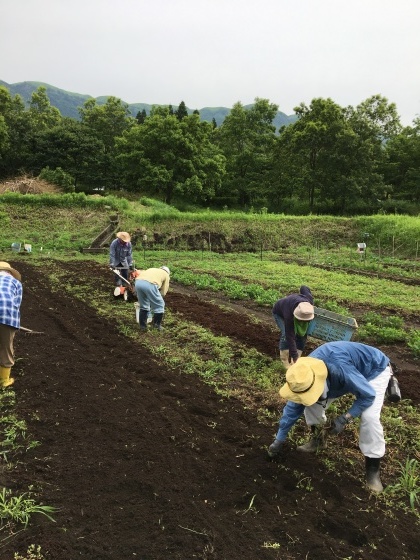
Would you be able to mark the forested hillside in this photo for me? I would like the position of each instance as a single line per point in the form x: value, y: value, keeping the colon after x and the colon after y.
x: 69, y: 103
x: 331, y: 160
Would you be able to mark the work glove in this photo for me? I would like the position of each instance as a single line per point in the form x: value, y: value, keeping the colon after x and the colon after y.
x: 338, y: 424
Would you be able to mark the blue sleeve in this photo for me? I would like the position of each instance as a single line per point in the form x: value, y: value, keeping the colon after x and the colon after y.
x: 112, y: 256
x: 130, y: 254
x: 363, y: 391
x: 291, y: 413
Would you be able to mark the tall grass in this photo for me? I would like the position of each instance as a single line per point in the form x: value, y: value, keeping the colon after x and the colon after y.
x: 226, y: 230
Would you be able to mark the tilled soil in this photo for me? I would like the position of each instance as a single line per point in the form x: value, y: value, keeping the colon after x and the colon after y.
x: 148, y: 463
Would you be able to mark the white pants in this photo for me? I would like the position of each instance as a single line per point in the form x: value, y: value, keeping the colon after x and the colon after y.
x: 371, y: 434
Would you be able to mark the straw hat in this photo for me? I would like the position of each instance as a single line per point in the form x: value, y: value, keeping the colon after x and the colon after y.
x: 305, y: 381
x: 166, y: 269
x: 6, y: 266
x: 304, y: 311
x: 124, y: 236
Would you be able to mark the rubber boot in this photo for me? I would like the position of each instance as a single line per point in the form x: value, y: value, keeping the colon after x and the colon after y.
x: 284, y: 357
x: 157, y: 321
x: 275, y: 448
x: 316, y: 443
x: 143, y: 319
x: 5, y: 379
x: 373, y: 479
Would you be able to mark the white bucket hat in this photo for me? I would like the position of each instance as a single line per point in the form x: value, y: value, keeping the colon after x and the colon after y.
x: 124, y: 236
x: 304, y: 311
x: 166, y: 269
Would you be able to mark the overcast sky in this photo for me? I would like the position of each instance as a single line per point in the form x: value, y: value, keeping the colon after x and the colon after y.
x: 211, y: 53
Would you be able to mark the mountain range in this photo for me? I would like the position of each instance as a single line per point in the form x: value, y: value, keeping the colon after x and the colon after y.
x: 68, y: 103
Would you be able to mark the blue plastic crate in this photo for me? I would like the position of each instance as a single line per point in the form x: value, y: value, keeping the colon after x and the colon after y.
x: 329, y: 326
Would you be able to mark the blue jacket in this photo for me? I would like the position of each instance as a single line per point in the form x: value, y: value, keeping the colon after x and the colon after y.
x: 120, y: 253
x: 351, y: 365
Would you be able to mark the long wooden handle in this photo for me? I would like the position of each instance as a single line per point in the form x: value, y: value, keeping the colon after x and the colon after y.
x: 30, y: 331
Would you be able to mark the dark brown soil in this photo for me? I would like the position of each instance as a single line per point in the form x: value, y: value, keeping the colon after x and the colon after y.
x: 148, y: 463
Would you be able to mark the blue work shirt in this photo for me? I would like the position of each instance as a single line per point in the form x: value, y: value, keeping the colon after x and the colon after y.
x: 351, y: 365
x: 120, y: 253
x: 10, y: 300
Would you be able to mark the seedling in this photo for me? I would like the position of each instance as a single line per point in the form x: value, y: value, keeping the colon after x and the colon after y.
x: 20, y: 508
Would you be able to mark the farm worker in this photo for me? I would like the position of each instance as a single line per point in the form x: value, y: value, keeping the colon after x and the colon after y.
x: 292, y: 315
x: 151, y: 286
x: 10, y: 302
x: 332, y: 370
x: 121, y: 257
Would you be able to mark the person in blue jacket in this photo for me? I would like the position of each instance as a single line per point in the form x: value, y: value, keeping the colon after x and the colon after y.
x: 292, y: 315
x: 332, y: 370
x: 121, y: 257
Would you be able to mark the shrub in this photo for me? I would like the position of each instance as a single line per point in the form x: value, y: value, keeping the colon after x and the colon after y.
x: 59, y: 177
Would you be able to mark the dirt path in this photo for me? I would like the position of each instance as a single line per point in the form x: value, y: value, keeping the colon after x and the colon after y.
x: 147, y: 463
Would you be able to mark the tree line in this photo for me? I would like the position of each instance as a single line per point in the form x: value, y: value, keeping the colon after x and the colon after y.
x: 332, y: 160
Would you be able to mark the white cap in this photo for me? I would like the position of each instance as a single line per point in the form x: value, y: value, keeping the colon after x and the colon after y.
x: 166, y: 269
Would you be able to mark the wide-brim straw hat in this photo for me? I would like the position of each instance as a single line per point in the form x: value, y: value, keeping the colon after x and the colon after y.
x: 6, y: 266
x: 304, y: 311
x: 124, y: 236
x: 305, y: 381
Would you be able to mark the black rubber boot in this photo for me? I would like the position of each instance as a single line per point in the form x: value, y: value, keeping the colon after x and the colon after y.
x: 275, y: 448
x: 373, y: 479
x: 157, y: 321
x: 143, y: 319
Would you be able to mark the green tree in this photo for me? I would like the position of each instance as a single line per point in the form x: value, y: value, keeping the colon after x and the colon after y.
x: 141, y: 116
x: 402, y: 164
x: 331, y: 156
x: 376, y: 118
x: 107, y: 122
x: 181, y: 112
x: 4, y: 138
x: 17, y: 133
x: 73, y: 147
x: 42, y: 114
x: 168, y: 157
x: 247, y: 139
